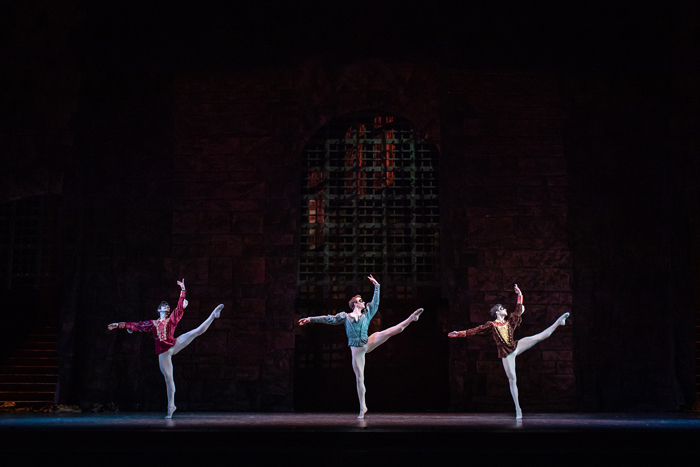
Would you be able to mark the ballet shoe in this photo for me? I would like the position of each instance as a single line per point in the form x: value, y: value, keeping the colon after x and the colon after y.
x: 417, y: 313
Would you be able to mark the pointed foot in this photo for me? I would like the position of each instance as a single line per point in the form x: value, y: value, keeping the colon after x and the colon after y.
x: 518, y: 414
x: 171, y: 411
x: 416, y: 314
x: 362, y: 413
x: 217, y: 311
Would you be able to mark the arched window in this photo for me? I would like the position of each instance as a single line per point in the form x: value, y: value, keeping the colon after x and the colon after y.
x: 369, y: 206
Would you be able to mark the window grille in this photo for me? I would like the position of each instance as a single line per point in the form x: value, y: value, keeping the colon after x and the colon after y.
x: 24, y: 257
x: 369, y: 206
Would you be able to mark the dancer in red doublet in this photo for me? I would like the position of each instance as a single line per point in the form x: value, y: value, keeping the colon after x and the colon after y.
x: 502, y: 329
x: 163, y: 330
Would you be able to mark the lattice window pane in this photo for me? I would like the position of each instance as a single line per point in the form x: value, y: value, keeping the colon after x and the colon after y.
x: 24, y: 257
x: 369, y: 206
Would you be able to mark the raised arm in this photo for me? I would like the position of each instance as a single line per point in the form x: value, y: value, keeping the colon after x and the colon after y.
x: 177, y: 313
x: 327, y: 319
x: 373, y: 306
x: 519, y: 307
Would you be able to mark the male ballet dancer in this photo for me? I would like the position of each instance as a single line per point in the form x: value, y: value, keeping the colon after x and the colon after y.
x: 508, y: 349
x: 167, y: 345
x: 356, y: 325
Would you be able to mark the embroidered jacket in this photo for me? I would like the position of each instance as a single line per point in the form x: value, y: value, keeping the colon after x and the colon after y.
x: 502, y: 332
x: 163, y: 330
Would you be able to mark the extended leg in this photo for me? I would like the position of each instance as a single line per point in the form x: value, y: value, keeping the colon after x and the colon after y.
x: 166, y: 367
x: 378, y: 338
x: 527, y: 342
x: 358, y: 366
x: 509, y: 366
x: 185, y: 339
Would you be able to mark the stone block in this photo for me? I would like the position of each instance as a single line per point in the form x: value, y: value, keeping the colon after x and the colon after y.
x: 503, y: 258
x: 249, y: 270
x: 546, y: 258
x: 559, y: 386
x: 489, y: 366
x: 558, y: 355
x: 534, y: 314
x: 491, y: 227
x: 200, y: 163
x: 541, y: 298
x: 213, y: 342
x: 250, y: 306
x: 194, y: 270
x: 565, y: 368
x: 247, y: 223
x: 558, y: 279
x: 224, y: 190
x: 485, y: 278
x: 543, y: 368
x: 561, y: 339
x: 220, y: 270
x: 526, y: 278
x: 541, y: 227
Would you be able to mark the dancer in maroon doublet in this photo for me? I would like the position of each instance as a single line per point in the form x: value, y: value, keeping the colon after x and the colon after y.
x: 163, y: 330
x: 502, y: 330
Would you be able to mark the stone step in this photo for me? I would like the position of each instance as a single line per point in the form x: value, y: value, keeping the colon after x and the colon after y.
x: 31, y: 361
x: 29, y: 370
x: 27, y: 387
x: 11, y: 396
x: 29, y: 378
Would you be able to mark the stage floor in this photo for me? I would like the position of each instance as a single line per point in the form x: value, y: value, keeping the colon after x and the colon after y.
x: 407, y: 438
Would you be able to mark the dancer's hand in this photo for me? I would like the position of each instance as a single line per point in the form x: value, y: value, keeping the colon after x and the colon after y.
x: 372, y: 280
x: 517, y: 290
x: 112, y: 326
x: 303, y: 321
x: 181, y: 283
x: 454, y: 334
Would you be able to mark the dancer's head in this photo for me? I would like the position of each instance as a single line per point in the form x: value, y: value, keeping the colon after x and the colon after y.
x: 164, y: 307
x: 356, y: 301
x: 497, y: 310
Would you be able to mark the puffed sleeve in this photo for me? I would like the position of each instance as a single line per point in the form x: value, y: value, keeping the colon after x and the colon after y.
x: 177, y: 313
x: 329, y: 319
x: 140, y: 326
x: 482, y: 330
x: 373, y: 306
x: 515, y: 317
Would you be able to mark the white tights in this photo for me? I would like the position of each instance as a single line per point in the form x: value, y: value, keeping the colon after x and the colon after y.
x: 374, y: 341
x: 524, y: 344
x: 165, y: 360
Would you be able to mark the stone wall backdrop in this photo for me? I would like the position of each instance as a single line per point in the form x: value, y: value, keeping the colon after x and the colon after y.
x: 505, y: 216
x: 168, y: 140
x: 234, y: 226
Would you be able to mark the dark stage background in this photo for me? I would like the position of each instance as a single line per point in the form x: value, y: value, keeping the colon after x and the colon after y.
x: 164, y: 141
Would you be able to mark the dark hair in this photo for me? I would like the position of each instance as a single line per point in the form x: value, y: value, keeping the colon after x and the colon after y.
x: 494, y: 309
x: 353, y: 300
x: 163, y: 304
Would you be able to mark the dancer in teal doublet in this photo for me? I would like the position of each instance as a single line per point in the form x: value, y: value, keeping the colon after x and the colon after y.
x: 356, y: 325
